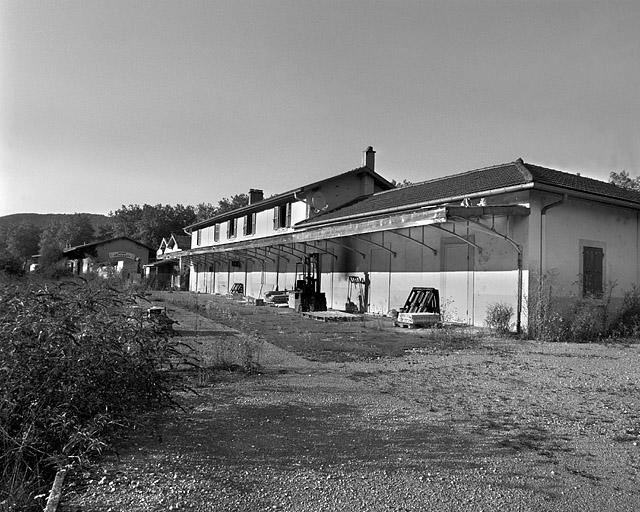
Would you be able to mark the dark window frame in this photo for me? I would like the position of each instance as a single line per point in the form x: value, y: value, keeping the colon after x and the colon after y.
x: 250, y: 223
x: 232, y: 228
x: 282, y: 216
x: 592, y: 271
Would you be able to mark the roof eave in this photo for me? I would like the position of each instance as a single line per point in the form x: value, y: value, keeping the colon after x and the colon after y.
x: 601, y: 198
x: 424, y: 204
x: 260, y: 205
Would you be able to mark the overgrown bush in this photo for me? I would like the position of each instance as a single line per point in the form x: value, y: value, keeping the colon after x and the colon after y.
x: 78, y: 361
x: 498, y: 317
x: 627, y: 321
x: 545, y: 322
x: 11, y: 266
x: 581, y: 319
x: 587, y: 320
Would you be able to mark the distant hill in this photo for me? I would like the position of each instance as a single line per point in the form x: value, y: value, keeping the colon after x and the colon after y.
x: 44, y: 219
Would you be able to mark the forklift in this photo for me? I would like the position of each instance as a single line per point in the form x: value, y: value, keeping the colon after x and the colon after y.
x: 308, y: 296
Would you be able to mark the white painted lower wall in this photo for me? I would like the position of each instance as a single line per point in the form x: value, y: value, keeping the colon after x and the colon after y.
x: 464, y: 296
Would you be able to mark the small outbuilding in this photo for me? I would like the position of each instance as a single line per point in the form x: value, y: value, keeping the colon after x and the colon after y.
x: 169, y: 272
x: 121, y: 256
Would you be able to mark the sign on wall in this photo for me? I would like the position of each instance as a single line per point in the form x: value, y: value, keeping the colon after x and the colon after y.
x: 120, y: 255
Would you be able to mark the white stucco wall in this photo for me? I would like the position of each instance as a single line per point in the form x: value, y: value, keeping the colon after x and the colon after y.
x: 466, y: 287
x: 575, y: 223
x: 264, y: 227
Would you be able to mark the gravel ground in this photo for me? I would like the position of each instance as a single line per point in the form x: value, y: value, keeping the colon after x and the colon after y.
x: 487, y: 425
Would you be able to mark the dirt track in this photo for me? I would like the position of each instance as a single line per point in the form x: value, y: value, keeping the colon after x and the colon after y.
x: 482, y: 425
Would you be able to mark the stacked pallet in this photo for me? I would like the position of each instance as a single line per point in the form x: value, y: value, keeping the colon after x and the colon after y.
x: 421, y: 309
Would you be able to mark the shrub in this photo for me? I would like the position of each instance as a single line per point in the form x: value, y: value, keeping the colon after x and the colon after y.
x: 11, y: 266
x: 78, y: 361
x: 627, y: 322
x: 581, y: 319
x: 587, y: 320
x: 499, y: 317
x: 545, y: 322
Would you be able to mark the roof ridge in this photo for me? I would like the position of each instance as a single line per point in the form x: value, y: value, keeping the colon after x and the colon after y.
x: 576, y: 175
x: 288, y: 193
x: 631, y: 195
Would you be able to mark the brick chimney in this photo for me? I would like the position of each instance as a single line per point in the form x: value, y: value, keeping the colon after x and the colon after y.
x: 255, y: 195
x: 369, y: 158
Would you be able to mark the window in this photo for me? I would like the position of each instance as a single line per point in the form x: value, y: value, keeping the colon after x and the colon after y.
x: 198, y: 237
x: 592, y: 258
x: 232, y: 228
x: 216, y: 232
x: 250, y: 224
x: 282, y: 216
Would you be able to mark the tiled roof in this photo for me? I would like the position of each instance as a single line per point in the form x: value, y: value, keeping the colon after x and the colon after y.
x: 287, y: 196
x: 101, y: 242
x: 183, y: 241
x: 581, y: 183
x: 487, y: 180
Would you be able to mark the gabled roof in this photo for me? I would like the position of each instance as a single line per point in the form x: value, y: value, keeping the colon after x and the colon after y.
x: 488, y: 181
x: 570, y: 181
x: 81, y: 248
x: 181, y: 240
x: 288, y: 196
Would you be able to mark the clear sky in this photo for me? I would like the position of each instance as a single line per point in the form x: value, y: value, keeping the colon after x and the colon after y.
x: 104, y: 103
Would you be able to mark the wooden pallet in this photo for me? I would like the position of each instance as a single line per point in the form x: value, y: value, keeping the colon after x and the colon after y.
x: 414, y: 320
x: 331, y: 316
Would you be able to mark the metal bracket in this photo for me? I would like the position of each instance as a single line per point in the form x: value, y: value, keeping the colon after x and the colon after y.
x: 279, y: 252
x: 456, y: 235
x: 348, y: 248
x: 324, y: 251
x: 493, y: 232
x: 414, y: 240
x: 360, y: 237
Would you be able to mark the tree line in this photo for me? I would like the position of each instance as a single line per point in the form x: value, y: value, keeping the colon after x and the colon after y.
x: 148, y: 224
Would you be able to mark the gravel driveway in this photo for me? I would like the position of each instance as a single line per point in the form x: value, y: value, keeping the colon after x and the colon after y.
x: 487, y: 425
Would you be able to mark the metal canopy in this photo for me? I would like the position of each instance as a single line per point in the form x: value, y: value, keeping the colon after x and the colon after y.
x: 381, y: 246
x: 348, y: 248
x: 258, y: 254
x: 493, y: 232
x: 278, y: 251
x: 323, y: 251
x: 456, y: 235
x: 295, y: 250
x: 356, y: 227
x: 414, y: 240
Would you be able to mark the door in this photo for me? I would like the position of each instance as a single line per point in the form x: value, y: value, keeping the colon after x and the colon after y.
x: 457, y: 282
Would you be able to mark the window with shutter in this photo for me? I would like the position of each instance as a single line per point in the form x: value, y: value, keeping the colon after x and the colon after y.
x: 250, y: 224
x: 592, y: 259
x: 232, y: 228
x: 282, y: 216
x: 288, y: 207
